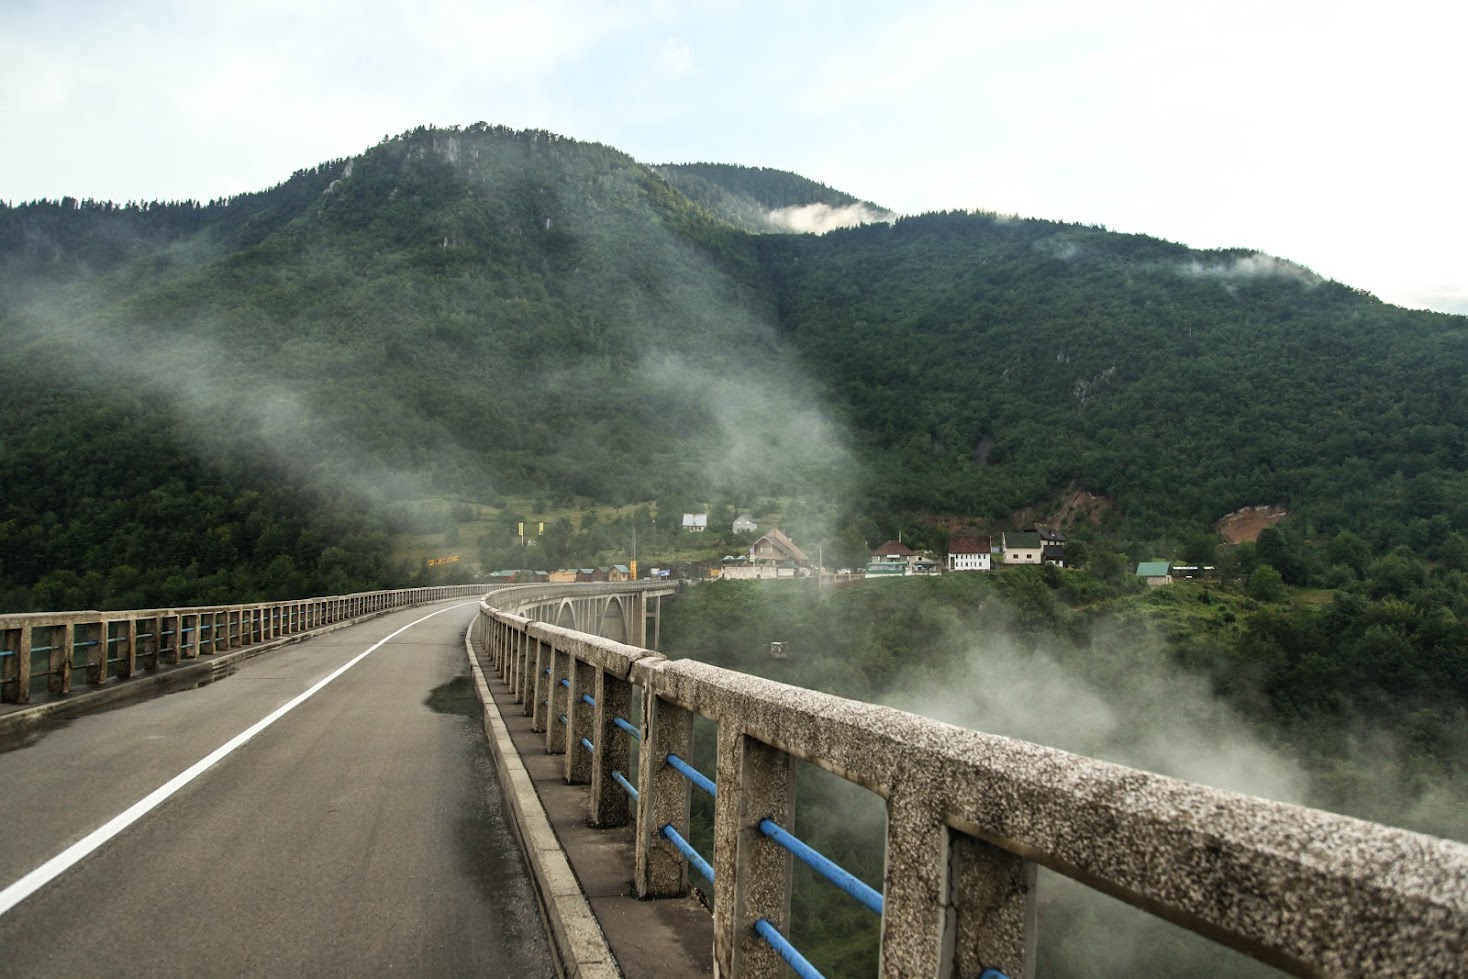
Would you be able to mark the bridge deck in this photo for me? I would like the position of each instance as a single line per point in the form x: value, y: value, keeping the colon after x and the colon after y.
x: 362, y: 832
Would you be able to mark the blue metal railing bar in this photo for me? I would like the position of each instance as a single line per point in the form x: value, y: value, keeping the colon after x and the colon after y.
x: 624, y: 725
x: 621, y: 780
x: 833, y: 872
x: 587, y: 698
x: 565, y: 721
x: 694, y: 775
x: 692, y: 855
x: 788, y: 952
x: 565, y: 683
x: 588, y: 746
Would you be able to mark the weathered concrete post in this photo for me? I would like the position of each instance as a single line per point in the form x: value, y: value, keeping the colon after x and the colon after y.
x: 23, y: 664
x: 954, y: 905
x: 555, y: 730
x: 582, y: 718
x: 510, y: 664
x: 94, y: 634
x: 170, y: 634
x: 753, y: 872
x: 10, y: 640
x: 127, y: 652
x: 610, y: 805
x: 60, y: 659
x: 494, y: 640
x: 529, y: 663
x: 664, y: 797
x: 539, y: 687
x: 188, y: 635
x: 148, y: 642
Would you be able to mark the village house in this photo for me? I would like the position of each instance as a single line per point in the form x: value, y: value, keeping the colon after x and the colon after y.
x: 891, y: 558
x: 1034, y: 545
x: 1021, y: 547
x: 696, y: 523
x: 1154, y: 573
x: 773, y: 555
x: 970, y: 552
x: 744, y: 524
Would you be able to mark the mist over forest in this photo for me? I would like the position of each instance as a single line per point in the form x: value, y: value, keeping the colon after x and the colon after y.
x: 458, y: 329
x: 265, y: 396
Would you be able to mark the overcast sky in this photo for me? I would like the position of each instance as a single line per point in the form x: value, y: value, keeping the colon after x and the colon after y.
x: 1329, y: 133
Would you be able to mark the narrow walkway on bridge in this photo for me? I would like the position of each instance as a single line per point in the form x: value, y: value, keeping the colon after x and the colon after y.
x: 361, y: 833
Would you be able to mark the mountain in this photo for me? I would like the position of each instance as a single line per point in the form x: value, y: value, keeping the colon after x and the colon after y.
x: 479, y: 312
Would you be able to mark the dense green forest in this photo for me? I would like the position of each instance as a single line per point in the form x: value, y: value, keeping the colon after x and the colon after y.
x: 478, y: 313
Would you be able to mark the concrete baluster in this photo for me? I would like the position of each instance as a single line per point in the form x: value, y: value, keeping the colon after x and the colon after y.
x: 170, y: 635
x: 188, y: 635
x: 555, y: 731
x: 11, y: 687
x: 127, y: 647
x: 664, y: 797
x: 520, y: 647
x: 610, y: 805
x: 955, y: 905
x: 526, y: 673
x: 24, y: 655
x: 992, y: 909
x: 60, y: 659
x: 96, y: 632
x: 753, y: 872
x: 149, y: 641
x: 540, y: 687
x: 582, y: 722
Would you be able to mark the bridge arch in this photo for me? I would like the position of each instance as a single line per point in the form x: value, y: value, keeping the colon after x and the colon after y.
x: 613, y: 619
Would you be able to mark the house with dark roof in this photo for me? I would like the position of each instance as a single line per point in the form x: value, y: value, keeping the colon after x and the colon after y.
x: 1021, y: 547
x: 970, y: 552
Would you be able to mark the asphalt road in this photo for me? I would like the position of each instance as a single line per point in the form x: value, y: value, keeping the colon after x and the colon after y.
x: 361, y: 833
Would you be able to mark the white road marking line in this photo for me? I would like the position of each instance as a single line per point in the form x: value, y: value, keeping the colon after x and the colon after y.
x: 63, y: 861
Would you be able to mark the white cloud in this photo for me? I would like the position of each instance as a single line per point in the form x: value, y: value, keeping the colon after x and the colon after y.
x: 1256, y: 266
x: 820, y: 218
x: 677, y: 58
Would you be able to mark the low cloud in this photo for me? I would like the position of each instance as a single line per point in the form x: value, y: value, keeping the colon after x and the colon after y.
x: 819, y: 218
x: 1114, y: 701
x: 1255, y: 266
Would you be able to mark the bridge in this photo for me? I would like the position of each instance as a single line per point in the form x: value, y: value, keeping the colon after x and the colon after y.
x: 329, y: 835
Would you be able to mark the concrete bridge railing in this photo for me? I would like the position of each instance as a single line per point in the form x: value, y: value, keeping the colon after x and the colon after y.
x: 62, y: 649
x: 969, y: 818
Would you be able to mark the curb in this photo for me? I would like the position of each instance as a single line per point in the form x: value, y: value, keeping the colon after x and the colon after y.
x: 580, y: 948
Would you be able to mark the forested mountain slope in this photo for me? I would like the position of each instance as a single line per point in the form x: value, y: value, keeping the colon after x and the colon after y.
x: 990, y: 362
x: 480, y: 311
